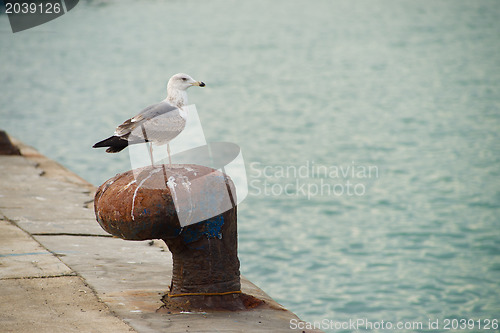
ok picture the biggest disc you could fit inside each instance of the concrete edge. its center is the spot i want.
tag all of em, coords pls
(50, 168)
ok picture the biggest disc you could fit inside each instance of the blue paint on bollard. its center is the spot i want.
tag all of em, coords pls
(210, 228)
(214, 226)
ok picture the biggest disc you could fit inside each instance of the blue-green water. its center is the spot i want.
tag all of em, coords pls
(404, 93)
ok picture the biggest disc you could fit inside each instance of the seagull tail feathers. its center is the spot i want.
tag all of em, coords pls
(115, 144)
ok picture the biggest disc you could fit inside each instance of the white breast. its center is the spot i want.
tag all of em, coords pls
(183, 113)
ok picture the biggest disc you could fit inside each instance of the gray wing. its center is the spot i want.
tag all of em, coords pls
(164, 109)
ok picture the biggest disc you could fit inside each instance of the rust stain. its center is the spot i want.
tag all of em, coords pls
(145, 301)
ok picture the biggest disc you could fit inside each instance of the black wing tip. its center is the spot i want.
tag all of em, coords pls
(115, 144)
(115, 149)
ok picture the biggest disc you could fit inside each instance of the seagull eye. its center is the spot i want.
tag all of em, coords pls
(184, 79)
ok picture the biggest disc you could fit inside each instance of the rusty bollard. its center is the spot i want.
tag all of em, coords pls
(139, 205)
(6, 146)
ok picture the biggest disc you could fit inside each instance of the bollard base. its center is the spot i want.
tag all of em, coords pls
(203, 303)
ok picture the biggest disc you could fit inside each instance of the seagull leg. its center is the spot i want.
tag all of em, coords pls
(150, 145)
(168, 151)
(151, 154)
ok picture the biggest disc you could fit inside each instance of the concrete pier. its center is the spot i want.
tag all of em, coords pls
(60, 272)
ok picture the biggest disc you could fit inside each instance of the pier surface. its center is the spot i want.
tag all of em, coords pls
(60, 272)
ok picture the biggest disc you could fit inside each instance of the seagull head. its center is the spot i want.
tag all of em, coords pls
(182, 81)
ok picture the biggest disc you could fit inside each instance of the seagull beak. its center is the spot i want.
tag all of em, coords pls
(198, 83)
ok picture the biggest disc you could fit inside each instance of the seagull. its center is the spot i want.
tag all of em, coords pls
(158, 123)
